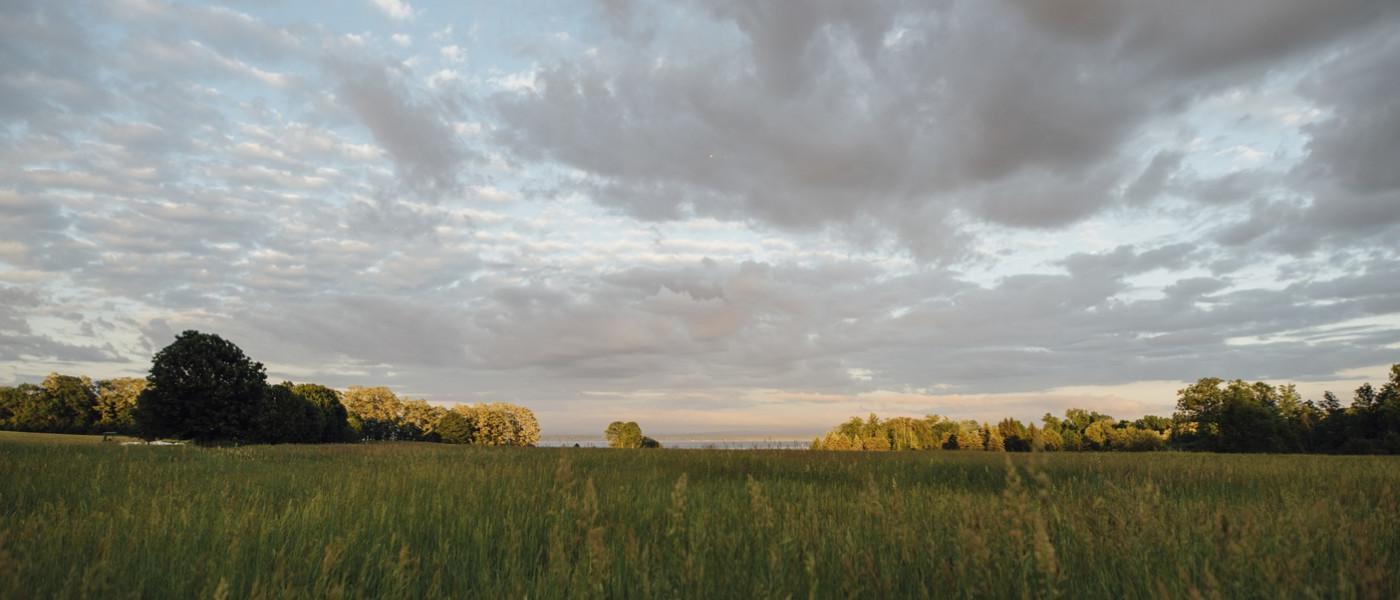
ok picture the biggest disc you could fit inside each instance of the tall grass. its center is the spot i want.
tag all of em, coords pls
(419, 520)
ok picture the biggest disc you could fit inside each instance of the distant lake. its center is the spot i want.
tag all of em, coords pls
(693, 444)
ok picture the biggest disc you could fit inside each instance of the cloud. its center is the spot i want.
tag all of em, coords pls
(415, 132)
(1352, 154)
(453, 54)
(397, 10)
(822, 115)
(734, 214)
(18, 341)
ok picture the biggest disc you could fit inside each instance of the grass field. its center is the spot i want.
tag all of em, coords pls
(423, 520)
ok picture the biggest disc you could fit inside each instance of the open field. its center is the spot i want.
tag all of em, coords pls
(60, 438)
(425, 520)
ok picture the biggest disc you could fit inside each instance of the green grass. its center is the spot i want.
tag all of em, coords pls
(421, 520)
(60, 438)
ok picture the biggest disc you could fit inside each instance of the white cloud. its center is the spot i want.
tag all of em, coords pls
(395, 9)
(519, 81)
(402, 39)
(453, 53)
(443, 76)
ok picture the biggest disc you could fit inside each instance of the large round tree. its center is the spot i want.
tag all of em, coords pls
(201, 387)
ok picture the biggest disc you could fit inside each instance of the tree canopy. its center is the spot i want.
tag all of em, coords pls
(628, 435)
(202, 387)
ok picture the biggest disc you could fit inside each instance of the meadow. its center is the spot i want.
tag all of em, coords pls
(400, 520)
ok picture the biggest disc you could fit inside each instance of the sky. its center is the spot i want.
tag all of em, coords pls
(709, 216)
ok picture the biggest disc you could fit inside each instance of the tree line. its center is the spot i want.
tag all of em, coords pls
(1079, 430)
(204, 388)
(1212, 415)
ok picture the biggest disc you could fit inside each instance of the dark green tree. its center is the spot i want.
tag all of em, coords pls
(454, 428)
(61, 404)
(71, 401)
(202, 387)
(1249, 419)
(9, 399)
(288, 418)
(335, 425)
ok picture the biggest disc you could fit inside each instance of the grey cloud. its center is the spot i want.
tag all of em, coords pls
(833, 114)
(1185, 40)
(1125, 260)
(1043, 198)
(37, 233)
(18, 342)
(1154, 178)
(1344, 192)
(1352, 155)
(371, 329)
(308, 217)
(46, 60)
(416, 133)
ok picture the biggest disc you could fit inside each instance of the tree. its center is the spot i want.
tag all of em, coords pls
(500, 424)
(1015, 436)
(73, 401)
(876, 443)
(623, 435)
(1051, 422)
(906, 433)
(942, 431)
(61, 404)
(969, 437)
(10, 398)
(495, 426)
(201, 387)
(992, 439)
(1389, 413)
(289, 418)
(116, 403)
(335, 420)
(1247, 419)
(454, 428)
(527, 427)
(1134, 439)
(1098, 434)
(419, 419)
(1199, 406)
(1330, 403)
(1079, 419)
(1154, 423)
(26, 408)
(374, 412)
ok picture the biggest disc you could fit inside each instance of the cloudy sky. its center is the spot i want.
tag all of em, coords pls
(709, 216)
